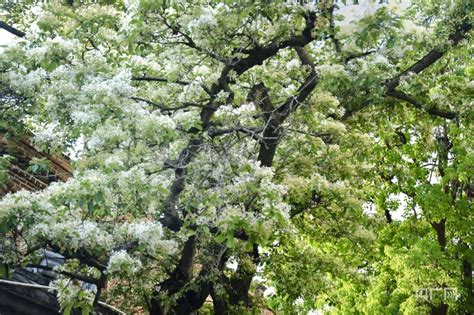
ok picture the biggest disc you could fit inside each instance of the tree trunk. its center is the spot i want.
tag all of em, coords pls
(467, 284)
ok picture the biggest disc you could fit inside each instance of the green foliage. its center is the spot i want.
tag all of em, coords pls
(39, 166)
(220, 143)
(5, 163)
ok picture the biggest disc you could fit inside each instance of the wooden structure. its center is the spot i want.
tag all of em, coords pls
(20, 177)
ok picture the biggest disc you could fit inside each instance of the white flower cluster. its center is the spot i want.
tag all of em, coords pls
(273, 212)
(75, 234)
(334, 127)
(85, 117)
(71, 293)
(261, 172)
(50, 134)
(156, 126)
(380, 59)
(150, 235)
(193, 91)
(56, 45)
(120, 262)
(114, 161)
(18, 203)
(293, 64)
(207, 18)
(187, 119)
(413, 29)
(26, 82)
(109, 133)
(241, 113)
(333, 70)
(99, 87)
(93, 11)
(229, 215)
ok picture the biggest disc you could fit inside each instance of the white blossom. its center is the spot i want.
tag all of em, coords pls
(122, 262)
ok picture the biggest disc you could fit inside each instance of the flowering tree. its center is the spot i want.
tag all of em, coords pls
(220, 146)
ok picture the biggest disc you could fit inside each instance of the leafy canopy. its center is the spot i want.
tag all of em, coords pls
(221, 146)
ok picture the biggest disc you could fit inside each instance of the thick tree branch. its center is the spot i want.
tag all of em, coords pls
(171, 218)
(332, 29)
(82, 256)
(12, 29)
(360, 55)
(433, 111)
(259, 54)
(430, 58)
(304, 90)
(66, 273)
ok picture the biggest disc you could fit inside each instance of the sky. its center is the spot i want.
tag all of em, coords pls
(5, 37)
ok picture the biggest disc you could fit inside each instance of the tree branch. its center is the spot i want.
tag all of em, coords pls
(12, 29)
(360, 55)
(430, 58)
(144, 78)
(164, 80)
(332, 29)
(190, 42)
(249, 131)
(82, 256)
(433, 111)
(259, 54)
(304, 90)
(66, 273)
(164, 108)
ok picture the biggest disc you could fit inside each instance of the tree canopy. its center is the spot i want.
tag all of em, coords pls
(222, 146)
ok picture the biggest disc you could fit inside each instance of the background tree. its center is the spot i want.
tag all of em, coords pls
(219, 142)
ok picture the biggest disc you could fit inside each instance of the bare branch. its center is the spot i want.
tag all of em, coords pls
(433, 111)
(305, 58)
(66, 273)
(332, 28)
(360, 55)
(325, 136)
(164, 108)
(248, 131)
(12, 29)
(164, 80)
(190, 42)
